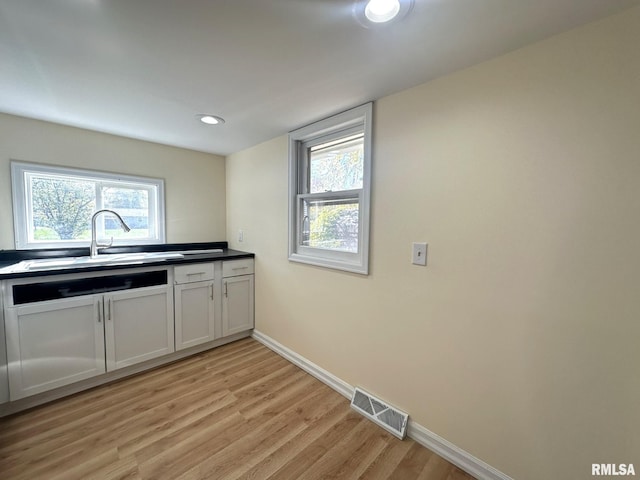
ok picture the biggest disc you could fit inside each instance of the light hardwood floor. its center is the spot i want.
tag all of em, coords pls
(236, 412)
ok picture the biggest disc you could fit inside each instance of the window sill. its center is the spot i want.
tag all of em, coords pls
(333, 264)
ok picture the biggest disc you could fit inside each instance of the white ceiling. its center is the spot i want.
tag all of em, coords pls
(145, 68)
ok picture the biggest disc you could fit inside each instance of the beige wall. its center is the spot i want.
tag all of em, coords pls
(520, 341)
(194, 182)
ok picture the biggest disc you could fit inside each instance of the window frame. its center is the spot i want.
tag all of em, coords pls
(342, 125)
(22, 212)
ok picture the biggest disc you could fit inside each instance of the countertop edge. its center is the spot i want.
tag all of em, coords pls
(227, 254)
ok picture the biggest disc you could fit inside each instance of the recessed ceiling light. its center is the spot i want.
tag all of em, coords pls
(376, 13)
(380, 11)
(210, 119)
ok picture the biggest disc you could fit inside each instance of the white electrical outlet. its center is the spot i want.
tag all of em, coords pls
(240, 236)
(419, 253)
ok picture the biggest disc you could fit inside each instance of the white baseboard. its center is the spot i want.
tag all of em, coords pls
(447, 450)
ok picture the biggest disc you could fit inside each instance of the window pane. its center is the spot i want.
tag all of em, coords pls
(330, 224)
(336, 165)
(329, 194)
(61, 208)
(133, 206)
(53, 206)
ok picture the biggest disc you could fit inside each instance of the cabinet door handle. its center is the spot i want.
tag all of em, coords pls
(211, 287)
(99, 310)
(225, 288)
(109, 309)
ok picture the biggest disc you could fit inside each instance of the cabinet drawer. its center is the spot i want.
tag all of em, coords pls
(195, 272)
(232, 268)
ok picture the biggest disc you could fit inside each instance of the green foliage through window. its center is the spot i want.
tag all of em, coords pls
(62, 206)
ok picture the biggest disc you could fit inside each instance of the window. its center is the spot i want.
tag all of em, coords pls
(329, 184)
(52, 207)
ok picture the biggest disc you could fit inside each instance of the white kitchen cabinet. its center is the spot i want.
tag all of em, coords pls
(68, 328)
(194, 272)
(4, 375)
(54, 343)
(195, 305)
(59, 330)
(138, 325)
(237, 296)
(194, 313)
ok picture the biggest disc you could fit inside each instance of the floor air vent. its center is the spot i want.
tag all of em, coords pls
(391, 419)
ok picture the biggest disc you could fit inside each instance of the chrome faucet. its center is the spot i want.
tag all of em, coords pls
(94, 243)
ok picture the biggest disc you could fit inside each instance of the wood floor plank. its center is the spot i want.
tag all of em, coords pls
(245, 452)
(329, 464)
(120, 435)
(412, 464)
(457, 474)
(182, 417)
(262, 417)
(139, 396)
(357, 460)
(306, 459)
(81, 470)
(275, 460)
(160, 458)
(174, 458)
(112, 393)
(77, 427)
(238, 411)
(387, 461)
(436, 467)
(122, 469)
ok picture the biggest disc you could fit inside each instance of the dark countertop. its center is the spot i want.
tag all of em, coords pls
(12, 257)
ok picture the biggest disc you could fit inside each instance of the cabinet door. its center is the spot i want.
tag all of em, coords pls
(4, 375)
(194, 306)
(138, 325)
(51, 344)
(237, 304)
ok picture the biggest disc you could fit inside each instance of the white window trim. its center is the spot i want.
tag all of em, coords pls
(21, 210)
(359, 117)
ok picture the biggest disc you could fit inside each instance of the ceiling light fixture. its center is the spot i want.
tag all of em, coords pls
(380, 11)
(377, 13)
(210, 119)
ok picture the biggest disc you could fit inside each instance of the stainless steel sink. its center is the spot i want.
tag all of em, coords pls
(79, 262)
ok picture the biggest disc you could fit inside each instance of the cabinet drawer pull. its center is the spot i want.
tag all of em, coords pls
(240, 268)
